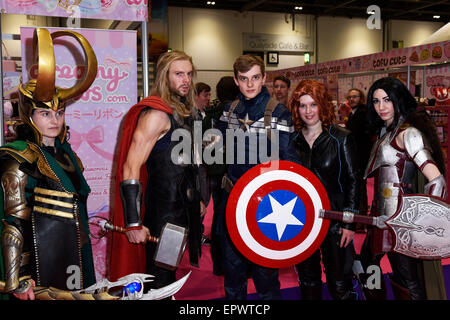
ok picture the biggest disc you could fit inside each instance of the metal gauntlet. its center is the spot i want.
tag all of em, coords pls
(16, 216)
(436, 187)
(12, 245)
(131, 194)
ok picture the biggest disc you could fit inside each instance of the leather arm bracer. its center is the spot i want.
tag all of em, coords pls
(131, 195)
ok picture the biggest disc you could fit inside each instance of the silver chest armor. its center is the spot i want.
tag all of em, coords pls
(396, 167)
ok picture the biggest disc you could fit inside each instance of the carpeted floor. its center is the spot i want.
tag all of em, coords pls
(204, 285)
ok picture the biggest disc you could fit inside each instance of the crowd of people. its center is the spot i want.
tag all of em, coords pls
(385, 137)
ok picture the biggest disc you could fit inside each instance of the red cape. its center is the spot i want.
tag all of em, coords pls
(125, 257)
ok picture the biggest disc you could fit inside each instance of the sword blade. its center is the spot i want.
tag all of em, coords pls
(167, 291)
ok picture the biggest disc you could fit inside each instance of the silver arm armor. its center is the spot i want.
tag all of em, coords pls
(416, 147)
(437, 187)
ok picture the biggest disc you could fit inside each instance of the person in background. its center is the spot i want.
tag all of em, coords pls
(227, 91)
(358, 124)
(407, 144)
(202, 105)
(329, 151)
(280, 91)
(202, 98)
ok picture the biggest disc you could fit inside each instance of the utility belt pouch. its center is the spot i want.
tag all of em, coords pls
(131, 195)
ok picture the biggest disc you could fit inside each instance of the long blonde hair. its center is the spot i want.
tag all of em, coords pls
(161, 86)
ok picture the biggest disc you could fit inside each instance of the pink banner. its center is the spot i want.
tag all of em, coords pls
(95, 117)
(438, 52)
(130, 10)
(437, 84)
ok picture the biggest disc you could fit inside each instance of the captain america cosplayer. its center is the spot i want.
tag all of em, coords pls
(44, 228)
(150, 188)
(254, 112)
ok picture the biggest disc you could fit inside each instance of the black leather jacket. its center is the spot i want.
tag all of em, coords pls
(334, 160)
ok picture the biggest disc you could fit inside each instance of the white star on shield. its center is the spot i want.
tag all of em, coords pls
(281, 215)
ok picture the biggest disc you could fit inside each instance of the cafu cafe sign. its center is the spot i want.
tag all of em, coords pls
(275, 42)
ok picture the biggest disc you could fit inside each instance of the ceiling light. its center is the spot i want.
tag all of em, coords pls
(436, 17)
(298, 8)
(211, 3)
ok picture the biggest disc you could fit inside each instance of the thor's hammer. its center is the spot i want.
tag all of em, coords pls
(170, 245)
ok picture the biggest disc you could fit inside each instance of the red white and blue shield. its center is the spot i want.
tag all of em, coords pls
(273, 214)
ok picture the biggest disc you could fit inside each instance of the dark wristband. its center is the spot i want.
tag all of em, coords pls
(131, 194)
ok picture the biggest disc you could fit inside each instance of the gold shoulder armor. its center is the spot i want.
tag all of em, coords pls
(13, 183)
(42, 163)
(28, 154)
(31, 154)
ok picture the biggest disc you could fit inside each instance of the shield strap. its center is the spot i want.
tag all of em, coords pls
(270, 107)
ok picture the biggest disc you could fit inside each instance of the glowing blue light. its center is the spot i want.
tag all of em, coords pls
(133, 287)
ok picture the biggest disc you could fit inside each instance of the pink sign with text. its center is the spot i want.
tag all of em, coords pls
(131, 10)
(438, 52)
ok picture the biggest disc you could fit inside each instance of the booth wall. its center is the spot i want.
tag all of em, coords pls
(413, 33)
(214, 37)
(11, 24)
(341, 38)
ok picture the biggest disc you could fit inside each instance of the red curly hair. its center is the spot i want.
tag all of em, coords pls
(318, 91)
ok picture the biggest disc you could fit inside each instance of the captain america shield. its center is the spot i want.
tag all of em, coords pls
(273, 214)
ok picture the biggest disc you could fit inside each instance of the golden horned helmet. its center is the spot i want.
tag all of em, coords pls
(41, 93)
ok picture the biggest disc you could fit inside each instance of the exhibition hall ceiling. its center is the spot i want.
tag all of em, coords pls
(392, 9)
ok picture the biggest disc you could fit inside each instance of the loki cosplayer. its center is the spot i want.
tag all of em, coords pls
(44, 230)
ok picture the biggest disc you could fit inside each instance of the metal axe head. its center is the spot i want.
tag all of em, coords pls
(422, 227)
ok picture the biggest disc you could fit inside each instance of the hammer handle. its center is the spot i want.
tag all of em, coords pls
(112, 227)
(347, 217)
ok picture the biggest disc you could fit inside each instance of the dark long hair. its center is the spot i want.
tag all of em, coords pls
(405, 105)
